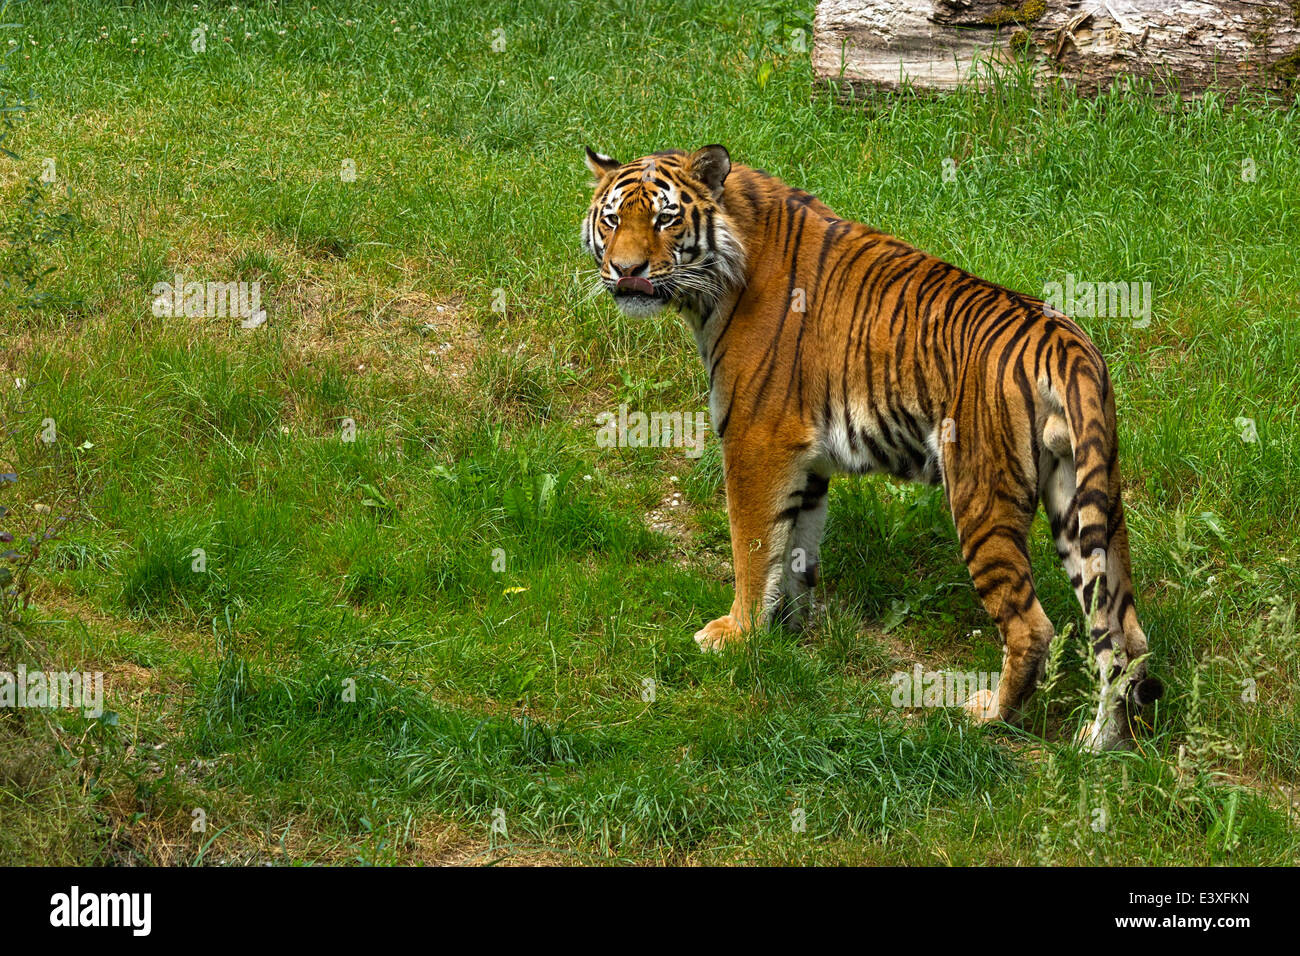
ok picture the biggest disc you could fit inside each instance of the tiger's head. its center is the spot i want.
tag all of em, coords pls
(659, 231)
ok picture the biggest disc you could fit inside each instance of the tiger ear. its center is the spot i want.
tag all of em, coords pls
(600, 164)
(710, 165)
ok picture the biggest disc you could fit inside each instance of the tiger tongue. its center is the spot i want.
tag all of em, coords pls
(635, 284)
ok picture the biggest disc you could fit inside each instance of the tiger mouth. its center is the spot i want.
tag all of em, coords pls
(636, 287)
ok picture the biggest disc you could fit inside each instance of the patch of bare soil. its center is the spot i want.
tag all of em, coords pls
(670, 517)
(403, 334)
(440, 843)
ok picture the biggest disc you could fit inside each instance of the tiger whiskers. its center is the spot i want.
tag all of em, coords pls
(591, 285)
(702, 279)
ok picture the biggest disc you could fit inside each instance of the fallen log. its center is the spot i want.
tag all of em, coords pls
(1187, 45)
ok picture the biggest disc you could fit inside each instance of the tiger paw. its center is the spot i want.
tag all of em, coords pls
(793, 612)
(1099, 737)
(719, 633)
(983, 707)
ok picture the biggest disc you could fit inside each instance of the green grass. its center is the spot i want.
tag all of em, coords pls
(457, 612)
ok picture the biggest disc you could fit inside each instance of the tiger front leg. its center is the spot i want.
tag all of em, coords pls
(804, 558)
(764, 500)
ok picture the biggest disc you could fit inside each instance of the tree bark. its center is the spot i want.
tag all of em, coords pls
(1186, 45)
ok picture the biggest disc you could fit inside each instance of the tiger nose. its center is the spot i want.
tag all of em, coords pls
(622, 271)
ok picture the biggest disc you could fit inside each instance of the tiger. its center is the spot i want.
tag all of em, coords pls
(834, 348)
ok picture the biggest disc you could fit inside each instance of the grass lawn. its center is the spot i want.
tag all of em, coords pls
(361, 582)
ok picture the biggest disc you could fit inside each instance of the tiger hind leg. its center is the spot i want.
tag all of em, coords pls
(993, 528)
